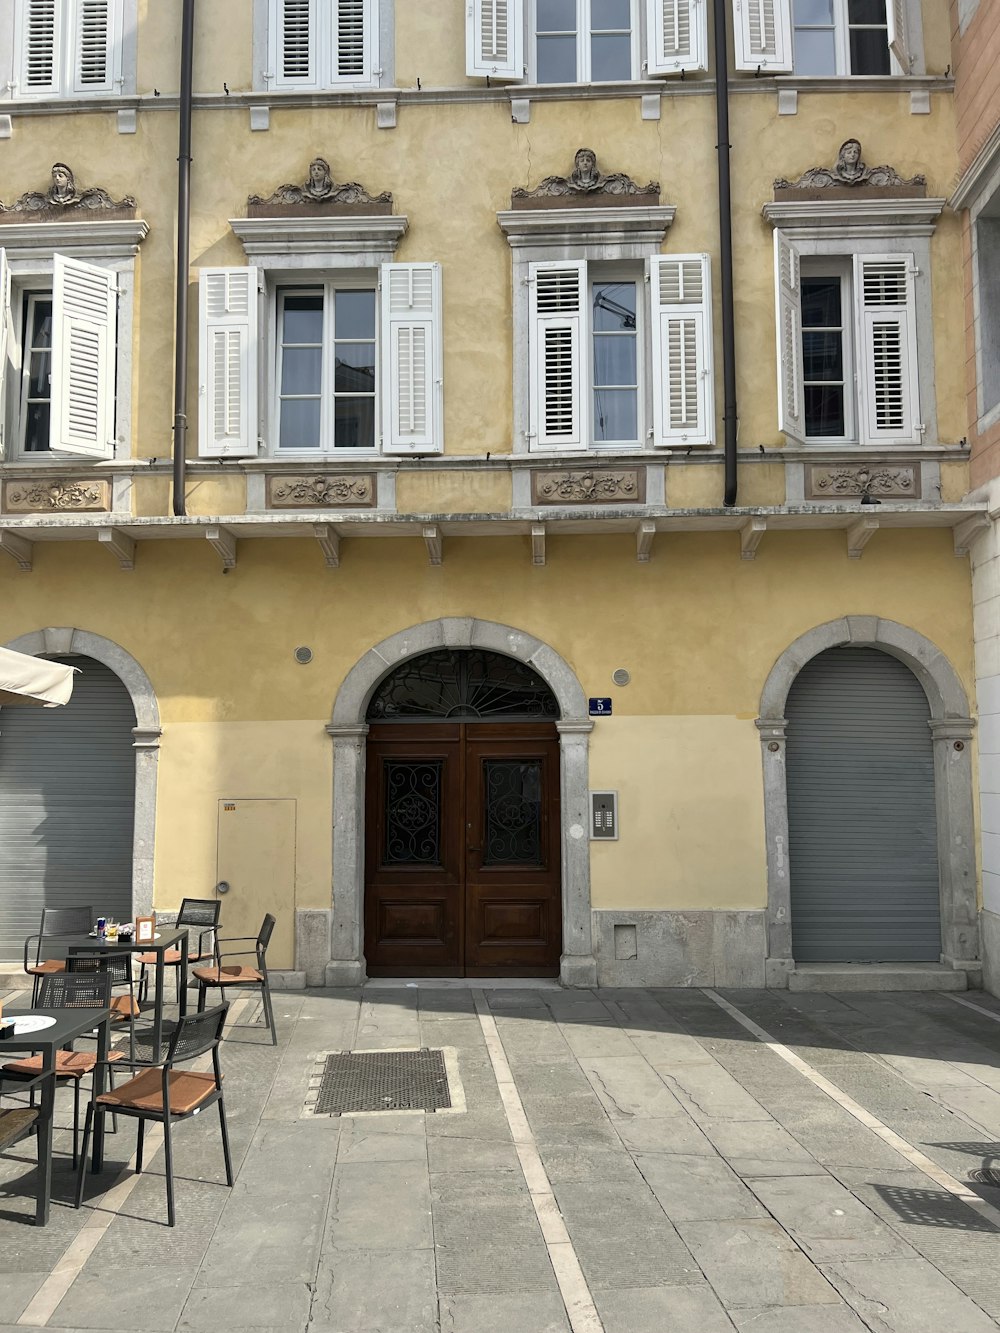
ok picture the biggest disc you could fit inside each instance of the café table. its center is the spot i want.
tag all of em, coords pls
(61, 1027)
(169, 937)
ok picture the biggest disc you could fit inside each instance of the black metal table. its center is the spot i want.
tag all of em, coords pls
(69, 1024)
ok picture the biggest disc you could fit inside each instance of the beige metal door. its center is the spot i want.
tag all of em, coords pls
(256, 873)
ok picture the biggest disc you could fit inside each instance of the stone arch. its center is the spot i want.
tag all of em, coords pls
(951, 730)
(66, 642)
(348, 730)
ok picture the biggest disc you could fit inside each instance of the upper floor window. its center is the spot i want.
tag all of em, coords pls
(71, 48)
(323, 44)
(584, 41)
(823, 37)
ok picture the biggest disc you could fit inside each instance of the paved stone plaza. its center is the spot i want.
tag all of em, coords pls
(632, 1161)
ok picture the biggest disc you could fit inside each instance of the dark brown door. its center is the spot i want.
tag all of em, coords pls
(462, 850)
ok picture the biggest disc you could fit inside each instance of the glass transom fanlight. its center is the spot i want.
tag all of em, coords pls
(458, 685)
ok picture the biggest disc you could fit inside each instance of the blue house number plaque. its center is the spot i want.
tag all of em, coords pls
(599, 707)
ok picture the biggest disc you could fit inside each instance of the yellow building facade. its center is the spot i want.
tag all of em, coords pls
(453, 590)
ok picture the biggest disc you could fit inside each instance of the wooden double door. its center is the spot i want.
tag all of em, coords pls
(462, 850)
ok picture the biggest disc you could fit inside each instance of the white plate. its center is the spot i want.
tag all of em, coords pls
(33, 1023)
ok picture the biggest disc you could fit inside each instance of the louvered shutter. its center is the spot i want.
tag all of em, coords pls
(887, 349)
(762, 35)
(494, 39)
(556, 389)
(354, 38)
(413, 405)
(228, 350)
(895, 11)
(6, 345)
(683, 391)
(38, 46)
(676, 36)
(95, 45)
(293, 43)
(788, 322)
(84, 325)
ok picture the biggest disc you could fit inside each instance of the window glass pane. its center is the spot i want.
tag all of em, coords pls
(36, 432)
(615, 414)
(41, 330)
(814, 51)
(556, 60)
(869, 51)
(555, 15)
(299, 427)
(610, 14)
(821, 302)
(354, 314)
(822, 356)
(301, 370)
(866, 11)
(610, 56)
(302, 318)
(614, 360)
(824, 407)
(40, 370)
(614, 306)
(355, 368)
(354, 423)
(810, 12)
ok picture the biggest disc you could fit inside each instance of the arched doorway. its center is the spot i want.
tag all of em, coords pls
(862, 824)
(67, 805)
(462, 854)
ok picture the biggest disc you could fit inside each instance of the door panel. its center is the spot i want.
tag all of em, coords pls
(463, 870)
(256, 858)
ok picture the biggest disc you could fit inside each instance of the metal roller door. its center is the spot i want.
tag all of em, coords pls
(67, 798)
(861, 813)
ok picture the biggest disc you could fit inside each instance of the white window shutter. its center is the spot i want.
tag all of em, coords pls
(899, 45)
(354, 41)
(227, 362)
(557, 396)
(412, 408)
(676, 36)
(84, 326)
(6, 345)
(683, 383)
(494, 39)
(762, 35)
(96, 46)
(293, 44)
(788, 324)
(38, 46)
(887, 349)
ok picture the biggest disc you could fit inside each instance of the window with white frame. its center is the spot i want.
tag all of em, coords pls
(324, 45)
(71, 48)
(823, 37)
(847, 347)
(346, 362)
(584, 41)
(620, 355)
(58, 354)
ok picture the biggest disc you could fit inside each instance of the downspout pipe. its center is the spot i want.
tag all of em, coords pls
(726, 250)
(183, 259)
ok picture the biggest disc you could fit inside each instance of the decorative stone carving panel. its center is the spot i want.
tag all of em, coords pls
(59, 494)
(318, 194)
(849, 175)
(350, 490)
(853, 483)
(63, 200)
(589, 486)
(588, 185)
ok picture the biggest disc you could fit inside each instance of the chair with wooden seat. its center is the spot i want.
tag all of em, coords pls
(67, 991)
(17, 1123)
(203, 915)
(56, 922)
(166, 1095)
(118, 968)
(239, 975)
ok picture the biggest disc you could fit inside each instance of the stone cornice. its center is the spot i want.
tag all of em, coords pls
(305, 242)
(986, 161)
(915, 216)
(116, 239)
(526, 227)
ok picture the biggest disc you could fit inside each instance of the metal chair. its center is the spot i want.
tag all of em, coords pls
(117, 967)
(224, 975)
(202, 913)
(67, 991)
(56, 921)
(17, 1123)
(166, 1095)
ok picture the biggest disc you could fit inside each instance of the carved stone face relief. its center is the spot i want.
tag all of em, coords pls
(63, 198)
(851, 171)
(586, 179)
(318, 189)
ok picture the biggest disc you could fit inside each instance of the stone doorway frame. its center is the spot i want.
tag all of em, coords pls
(68, 642)
(348, 729)
(951, 732)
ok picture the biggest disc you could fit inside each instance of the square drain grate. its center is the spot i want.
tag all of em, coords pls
(358, 1081)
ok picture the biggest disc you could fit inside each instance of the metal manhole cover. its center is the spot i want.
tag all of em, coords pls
(353, 1081)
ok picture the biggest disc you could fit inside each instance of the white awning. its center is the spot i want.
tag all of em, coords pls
(34, 680)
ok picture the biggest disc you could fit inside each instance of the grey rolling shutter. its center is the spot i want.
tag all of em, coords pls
(861, 812)
(67, 797)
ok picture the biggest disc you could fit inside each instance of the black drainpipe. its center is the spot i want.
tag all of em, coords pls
(726, 248)
(183, 259)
